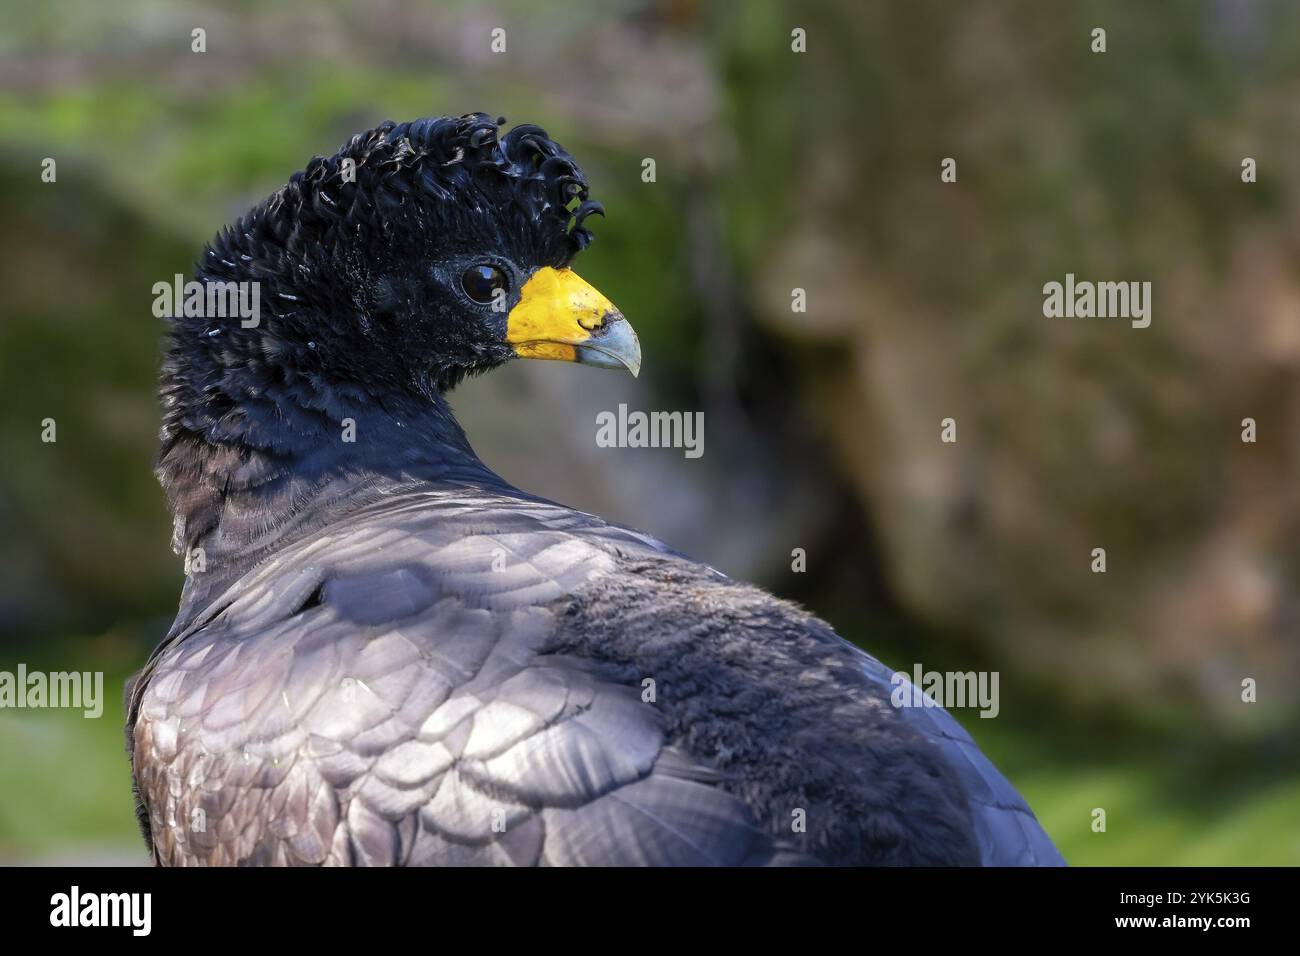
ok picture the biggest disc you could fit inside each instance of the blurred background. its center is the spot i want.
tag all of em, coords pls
(774, 170)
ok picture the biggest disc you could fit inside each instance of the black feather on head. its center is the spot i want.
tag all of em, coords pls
(455, 161)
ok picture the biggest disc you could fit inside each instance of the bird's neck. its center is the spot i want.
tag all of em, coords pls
(247, 475)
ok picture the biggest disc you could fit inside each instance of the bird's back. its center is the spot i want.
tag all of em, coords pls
(466, 675)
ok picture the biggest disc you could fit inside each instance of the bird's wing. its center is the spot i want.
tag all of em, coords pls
(1006, 829)
(376, 695)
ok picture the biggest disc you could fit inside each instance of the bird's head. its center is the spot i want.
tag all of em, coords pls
(418, 254)
(369, 285)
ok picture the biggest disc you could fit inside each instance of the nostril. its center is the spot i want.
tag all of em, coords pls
(610, 318)
(606, 319)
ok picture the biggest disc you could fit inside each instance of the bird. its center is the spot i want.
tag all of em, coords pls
(387, 655)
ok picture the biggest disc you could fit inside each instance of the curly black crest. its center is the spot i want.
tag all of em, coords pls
(445, 158)
(449, 159)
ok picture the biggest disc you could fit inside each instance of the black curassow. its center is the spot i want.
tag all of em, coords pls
(387, 655)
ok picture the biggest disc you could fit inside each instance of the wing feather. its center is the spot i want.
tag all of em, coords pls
(377, 696)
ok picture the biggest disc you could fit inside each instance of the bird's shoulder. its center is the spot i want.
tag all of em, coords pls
(476, 677)
(390, 691)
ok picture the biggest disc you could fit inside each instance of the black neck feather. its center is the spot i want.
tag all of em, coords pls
(246, 474)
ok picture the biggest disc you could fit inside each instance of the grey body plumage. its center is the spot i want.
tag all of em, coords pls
(393, 657)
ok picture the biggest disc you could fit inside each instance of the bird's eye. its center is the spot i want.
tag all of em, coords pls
(481, 282)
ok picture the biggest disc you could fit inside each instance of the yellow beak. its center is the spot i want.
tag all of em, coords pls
(559, 316)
